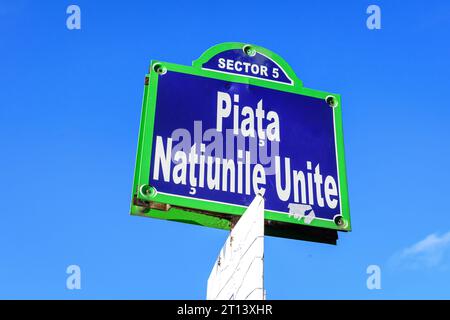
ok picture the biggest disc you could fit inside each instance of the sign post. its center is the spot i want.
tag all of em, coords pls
(237, 123)
(238, 273)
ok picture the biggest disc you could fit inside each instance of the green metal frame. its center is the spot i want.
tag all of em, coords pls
(209, 213)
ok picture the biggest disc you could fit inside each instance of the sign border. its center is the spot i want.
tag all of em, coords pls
(207, 212)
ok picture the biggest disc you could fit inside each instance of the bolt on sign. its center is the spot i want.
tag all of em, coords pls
(238, 123)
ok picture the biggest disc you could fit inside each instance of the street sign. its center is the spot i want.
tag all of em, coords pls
(239, 123)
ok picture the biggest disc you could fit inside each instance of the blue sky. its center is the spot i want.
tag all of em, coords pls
(69, 116)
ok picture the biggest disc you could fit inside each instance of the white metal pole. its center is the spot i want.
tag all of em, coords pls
(238, 273)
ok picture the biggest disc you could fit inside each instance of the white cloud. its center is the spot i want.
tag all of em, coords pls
(430, 252)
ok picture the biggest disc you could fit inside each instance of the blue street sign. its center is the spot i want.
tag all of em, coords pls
(236, 124)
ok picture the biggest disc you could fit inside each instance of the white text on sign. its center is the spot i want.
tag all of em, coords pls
(248, 68)
(201, 164)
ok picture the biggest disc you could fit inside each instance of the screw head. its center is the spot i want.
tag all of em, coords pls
(339, 221)
(249, 50)
(147, 191)
(159, 68)
(331, 101)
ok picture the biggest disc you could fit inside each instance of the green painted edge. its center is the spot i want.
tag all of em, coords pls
(343, 186)
(142, 168)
